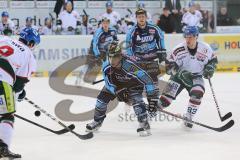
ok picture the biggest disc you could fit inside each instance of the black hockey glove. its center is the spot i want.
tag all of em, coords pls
(208, 71)
(122, 95)
(21, 95)
(210, 68)
(185, 77)
(162, 54)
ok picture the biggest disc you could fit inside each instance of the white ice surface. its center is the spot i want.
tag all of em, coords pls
(119, 141)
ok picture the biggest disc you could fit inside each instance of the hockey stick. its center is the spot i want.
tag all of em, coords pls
(229, 114)
(59, 132)
(83, 137)
(219, 129)
(96, 82)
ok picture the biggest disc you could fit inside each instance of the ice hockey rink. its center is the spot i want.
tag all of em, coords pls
(118, 140)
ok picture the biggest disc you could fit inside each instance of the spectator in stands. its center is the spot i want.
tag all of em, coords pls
(208, 22)
(59, 6)
(210, 27)
(48, 27)
(7, 26)
(113, 16)
(29, 24)
(166, 22)
(223, 19)
(69, 19)
(86, 27)
(174, 7)
(193, 17)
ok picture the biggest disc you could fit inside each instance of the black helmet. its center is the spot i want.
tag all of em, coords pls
(105, 19)
(140, 11)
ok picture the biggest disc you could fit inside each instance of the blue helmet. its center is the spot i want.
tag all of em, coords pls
(5, 14)
(109, 4)
(30, 35)
(191, 30)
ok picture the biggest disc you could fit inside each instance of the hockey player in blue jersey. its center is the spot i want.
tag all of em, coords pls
(145, 44)
(125, 81)
(99, 45)
(102, 38)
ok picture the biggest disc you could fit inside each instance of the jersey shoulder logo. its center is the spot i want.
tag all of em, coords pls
(152, 31)
(6, 51)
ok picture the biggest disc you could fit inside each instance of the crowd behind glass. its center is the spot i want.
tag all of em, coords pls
(172, 19)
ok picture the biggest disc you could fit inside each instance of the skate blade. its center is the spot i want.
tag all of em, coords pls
(145, 133)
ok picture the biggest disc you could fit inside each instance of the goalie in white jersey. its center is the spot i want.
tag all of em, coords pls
(189, 62)
(17, 63)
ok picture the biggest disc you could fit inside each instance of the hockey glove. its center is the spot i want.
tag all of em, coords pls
(185, 77)
(21, 95)
(208, 71)
(122, 95)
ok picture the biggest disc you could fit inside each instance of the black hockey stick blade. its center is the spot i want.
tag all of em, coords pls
(228, 115)
(220, 129)
(84, 136)
(63, 131)
(59, 132)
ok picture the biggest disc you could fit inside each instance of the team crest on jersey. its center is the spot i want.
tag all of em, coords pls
(152, 31)
(112, 33)
(144, 38)
(200, 57)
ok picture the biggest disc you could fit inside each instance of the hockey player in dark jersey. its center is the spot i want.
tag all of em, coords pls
(145, 44)
(125, 81)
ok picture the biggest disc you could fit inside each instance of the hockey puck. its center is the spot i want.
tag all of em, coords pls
(37, 113)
